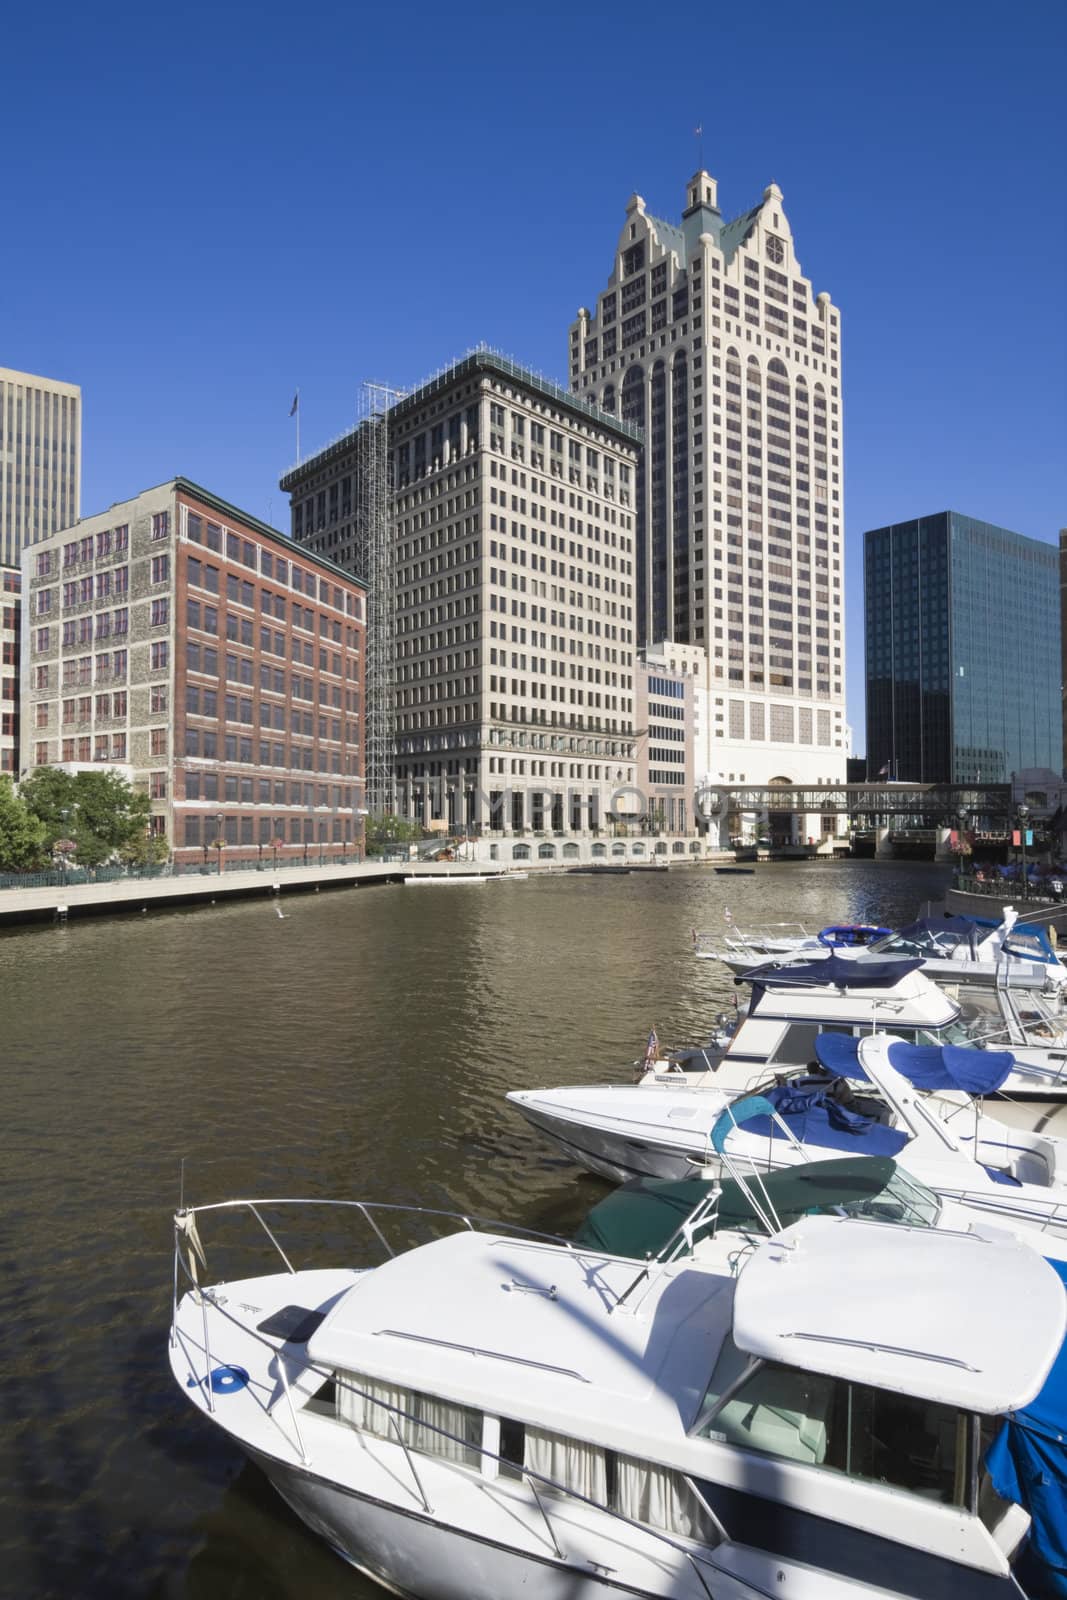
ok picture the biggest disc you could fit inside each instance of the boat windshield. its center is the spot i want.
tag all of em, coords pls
(817, 1420)
(904, 1199)
(964, 1031)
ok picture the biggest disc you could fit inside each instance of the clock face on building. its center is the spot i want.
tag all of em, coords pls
(775, 249)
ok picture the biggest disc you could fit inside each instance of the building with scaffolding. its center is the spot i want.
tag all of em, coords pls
(499, 554)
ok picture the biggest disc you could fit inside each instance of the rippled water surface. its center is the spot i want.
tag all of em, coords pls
(361, 1046)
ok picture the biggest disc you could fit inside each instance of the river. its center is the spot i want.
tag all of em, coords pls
(361, 1046)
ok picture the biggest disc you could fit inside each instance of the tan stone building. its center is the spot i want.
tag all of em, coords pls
(710, 338)
(40, 459)
(512, 523)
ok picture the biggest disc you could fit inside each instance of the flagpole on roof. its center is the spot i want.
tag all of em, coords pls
(294, 411)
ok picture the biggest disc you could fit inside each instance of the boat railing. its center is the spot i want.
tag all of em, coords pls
(537, 1482)
(369, 1210)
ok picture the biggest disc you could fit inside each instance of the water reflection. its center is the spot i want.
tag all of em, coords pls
(361, 1046)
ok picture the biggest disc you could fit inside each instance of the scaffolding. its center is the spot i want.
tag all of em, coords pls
(375, 565)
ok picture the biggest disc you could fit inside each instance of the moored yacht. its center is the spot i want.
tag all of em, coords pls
(792, 1002)
(486, 1415)
(976, 949)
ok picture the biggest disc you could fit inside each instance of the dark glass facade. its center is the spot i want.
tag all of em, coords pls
(963, 651)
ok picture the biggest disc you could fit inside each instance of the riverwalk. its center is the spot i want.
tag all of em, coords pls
(58, 902)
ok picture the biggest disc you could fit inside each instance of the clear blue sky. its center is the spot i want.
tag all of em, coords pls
(207, 206)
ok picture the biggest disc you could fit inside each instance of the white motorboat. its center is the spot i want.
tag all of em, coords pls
(712, 1215)
(443, 877)
(918, 1107)
(954, 948)
(486, 1416)
(791, 1003)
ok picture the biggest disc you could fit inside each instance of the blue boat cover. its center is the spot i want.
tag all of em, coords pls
(963, 926)
(1027, 1463)
(831, 969)
(949, 1066)
(815, 1120)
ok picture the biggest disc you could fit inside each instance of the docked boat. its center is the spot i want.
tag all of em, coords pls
(487, 1415)
(444, 877)
(663, 1219)
(919, 1105)
(951, 948)
(791, 1002)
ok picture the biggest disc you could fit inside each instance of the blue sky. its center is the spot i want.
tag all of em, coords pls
(209, 206)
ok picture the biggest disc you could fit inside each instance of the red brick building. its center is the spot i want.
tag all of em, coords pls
(218, 665)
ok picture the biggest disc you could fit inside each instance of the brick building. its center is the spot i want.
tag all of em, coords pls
(10, 613)
(197, 651)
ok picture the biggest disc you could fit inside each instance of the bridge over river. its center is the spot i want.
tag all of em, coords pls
(931, 804)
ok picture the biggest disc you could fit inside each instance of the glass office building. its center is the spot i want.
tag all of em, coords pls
(963, 651)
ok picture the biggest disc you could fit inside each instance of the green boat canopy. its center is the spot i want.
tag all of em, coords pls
(639, 1218)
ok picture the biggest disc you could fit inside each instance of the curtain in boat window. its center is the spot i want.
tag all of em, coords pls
(435, 1427)
(661, 1498)
(567, 1462)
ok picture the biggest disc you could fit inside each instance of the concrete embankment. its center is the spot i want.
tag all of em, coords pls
(52, 903)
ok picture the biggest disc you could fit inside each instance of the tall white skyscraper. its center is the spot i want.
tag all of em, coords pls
(40, 459)
(711, 339)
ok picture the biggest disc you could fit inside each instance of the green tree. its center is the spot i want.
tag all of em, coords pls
(388, 829)
(22, 835)
(102, 813)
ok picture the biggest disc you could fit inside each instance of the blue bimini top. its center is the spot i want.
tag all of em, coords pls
(948, 1066)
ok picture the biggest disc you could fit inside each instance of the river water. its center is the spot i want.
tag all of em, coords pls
(358, 1047)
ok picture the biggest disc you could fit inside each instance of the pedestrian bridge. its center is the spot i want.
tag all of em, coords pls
(878, 803)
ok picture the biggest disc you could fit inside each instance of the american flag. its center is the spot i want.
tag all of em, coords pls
(295, 407)
(651, 1048)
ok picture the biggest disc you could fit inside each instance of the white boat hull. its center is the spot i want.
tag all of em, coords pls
(422, 1556)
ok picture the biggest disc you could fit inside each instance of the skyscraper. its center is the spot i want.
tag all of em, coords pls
(963, 651)
(40, 460)
(709, 337)
(511, 525)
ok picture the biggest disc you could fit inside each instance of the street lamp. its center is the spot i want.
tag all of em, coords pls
(1023, 814)
(274, 846)
(218, 838)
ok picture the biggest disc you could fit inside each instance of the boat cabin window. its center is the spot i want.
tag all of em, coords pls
(436, 1427)
(822, 1421)
(796, 1044)
(640, 1490)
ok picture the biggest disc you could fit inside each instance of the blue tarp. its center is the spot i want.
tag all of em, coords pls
(831, 969)
(1027, 1463)
(819, 1123)
(948, 1066)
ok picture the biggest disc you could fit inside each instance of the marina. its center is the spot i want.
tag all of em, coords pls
(253, 1046)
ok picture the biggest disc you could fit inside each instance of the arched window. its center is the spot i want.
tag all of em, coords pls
(633, 396)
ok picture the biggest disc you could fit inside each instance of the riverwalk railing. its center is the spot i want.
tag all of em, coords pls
(72, 877)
